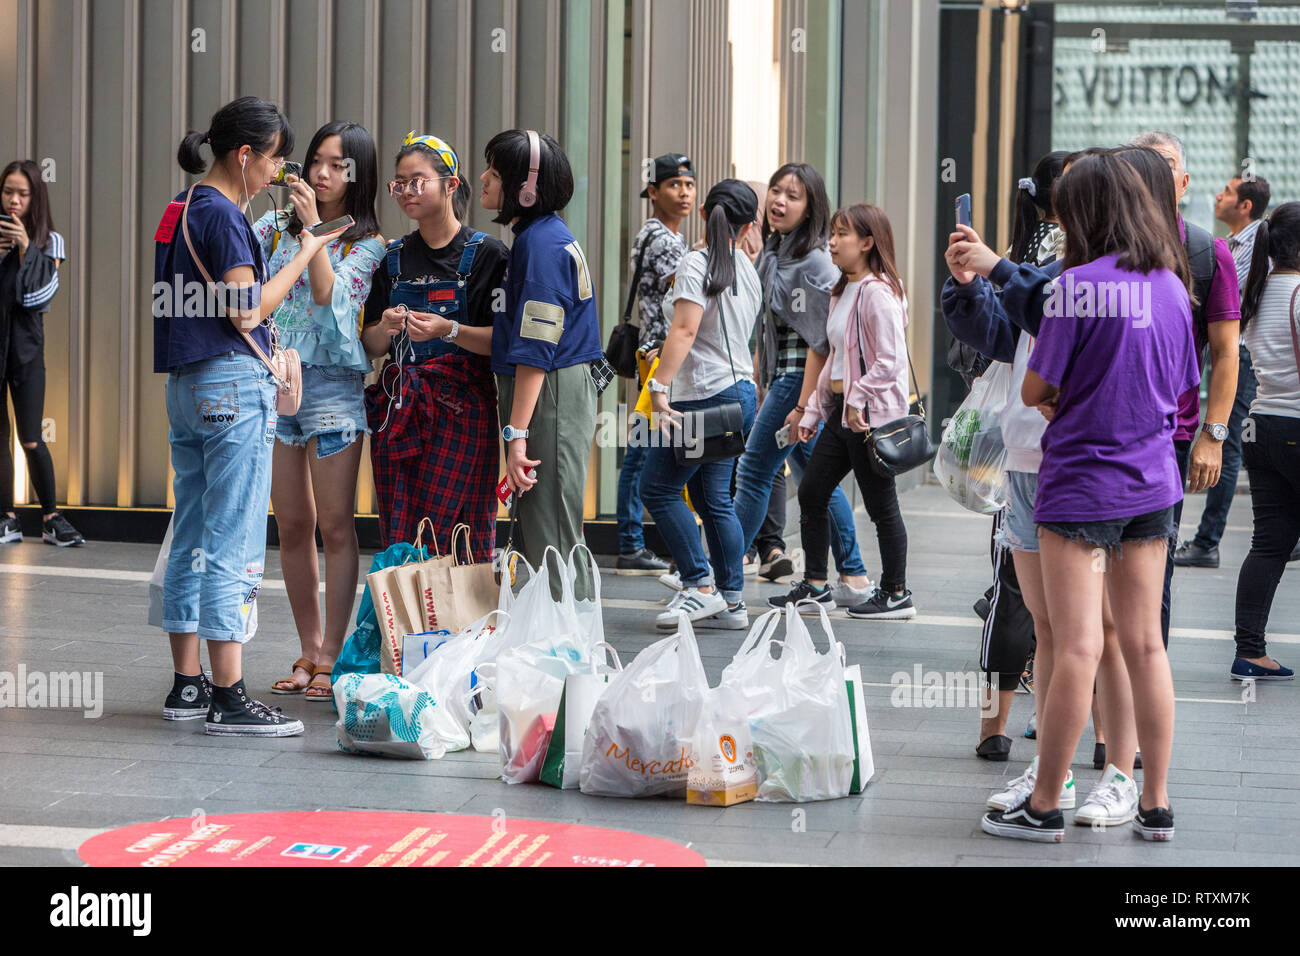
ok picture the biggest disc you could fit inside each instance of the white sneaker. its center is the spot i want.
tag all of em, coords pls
(671, 580)
(845, 596)
(1022, 786)
(693, 604)
(1114, 801)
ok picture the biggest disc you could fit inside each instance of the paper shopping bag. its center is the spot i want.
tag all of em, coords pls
(395, 592)
(864, 767)
(455, 594)
(726, 772)
(563, 762)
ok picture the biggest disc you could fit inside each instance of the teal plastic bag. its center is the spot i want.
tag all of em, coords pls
(360, 654)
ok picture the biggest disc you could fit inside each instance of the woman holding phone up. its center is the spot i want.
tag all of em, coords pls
(221, 406)
(318, 449)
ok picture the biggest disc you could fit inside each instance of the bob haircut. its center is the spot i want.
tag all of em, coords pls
(37, 221)
(359, 195)
(507, 153)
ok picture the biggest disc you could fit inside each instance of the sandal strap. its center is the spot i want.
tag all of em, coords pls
(308, 666)
(326, 669)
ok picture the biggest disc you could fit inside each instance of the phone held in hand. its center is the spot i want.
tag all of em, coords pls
(963, 209)
(325, 228)
(5, 217)
(782, 436)
(287, 170)
(504, 494)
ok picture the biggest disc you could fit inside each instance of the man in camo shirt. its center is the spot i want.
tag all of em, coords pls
(657, 250)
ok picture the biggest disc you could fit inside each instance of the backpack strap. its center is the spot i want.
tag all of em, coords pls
(636, 279)
(467, 256)
(393, 259)
(1204, 265)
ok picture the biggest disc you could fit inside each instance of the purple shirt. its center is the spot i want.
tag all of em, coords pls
(1108, 453)
(1223, 304)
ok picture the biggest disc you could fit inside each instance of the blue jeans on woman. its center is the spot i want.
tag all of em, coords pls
(662, 480)
(761, 462)
(222, 416)
(631, 533)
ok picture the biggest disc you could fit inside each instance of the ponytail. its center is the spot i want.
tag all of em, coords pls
(189, 157)
(1034, 203)
(1025, 225)
(1257, 276)
(721, 272)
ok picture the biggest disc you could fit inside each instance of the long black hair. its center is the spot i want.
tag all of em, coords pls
(249, 120)
(507, 153)
(1034, 205)
(359, 194)
(815, 228)
(1276, 237)
(37, 220)
(460, 198)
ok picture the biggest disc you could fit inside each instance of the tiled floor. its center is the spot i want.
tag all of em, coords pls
(1235, 783)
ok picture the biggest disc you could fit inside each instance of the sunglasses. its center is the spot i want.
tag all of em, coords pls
(414, 187)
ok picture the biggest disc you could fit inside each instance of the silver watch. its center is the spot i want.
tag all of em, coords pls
(1216, 431)
(656, 387)
(455, 331)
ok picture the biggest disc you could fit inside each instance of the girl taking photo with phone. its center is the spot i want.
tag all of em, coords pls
(318, 449)
(30, 255)
(433, 419)
(221, 407)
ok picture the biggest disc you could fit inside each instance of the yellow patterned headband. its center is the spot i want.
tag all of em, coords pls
(445, 152)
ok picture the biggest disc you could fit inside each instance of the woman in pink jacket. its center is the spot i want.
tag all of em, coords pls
(862, 386)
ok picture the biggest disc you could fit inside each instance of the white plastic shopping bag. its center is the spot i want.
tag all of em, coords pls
(972, 457)
(798, 711)
(640, 742)
(156, 589)
(563, 761)
(725, 770)
(448, 674)
(385, 715)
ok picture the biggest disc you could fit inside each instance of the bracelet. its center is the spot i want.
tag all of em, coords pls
(800, 409)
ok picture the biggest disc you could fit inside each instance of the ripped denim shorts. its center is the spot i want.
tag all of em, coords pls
(1110, 535)
(333, 410)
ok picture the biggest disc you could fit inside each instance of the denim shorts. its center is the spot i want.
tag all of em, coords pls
(1019, 533)
(333, 410)
(1111, 534)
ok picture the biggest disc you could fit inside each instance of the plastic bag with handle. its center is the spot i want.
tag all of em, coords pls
(798, 710)
(640, 741)
(972, 457)
(383, 714)
(448, 674)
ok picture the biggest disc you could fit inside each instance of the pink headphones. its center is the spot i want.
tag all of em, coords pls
(528, 191)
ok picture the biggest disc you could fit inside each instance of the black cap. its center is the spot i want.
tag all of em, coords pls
(669, 166)
(737, 200)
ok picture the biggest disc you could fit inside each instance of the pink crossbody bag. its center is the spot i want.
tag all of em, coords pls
(284, 364)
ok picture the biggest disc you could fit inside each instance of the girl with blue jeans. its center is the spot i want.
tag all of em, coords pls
(714, 301)
(221, 408)
(796, 273)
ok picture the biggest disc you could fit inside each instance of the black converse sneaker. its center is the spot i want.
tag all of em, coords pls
(10, 529)
(190, 697)
(234, 714)
(803, 591)
(644, 561)
(59, 532)
(1022, 823)
(885, 606)
(1156, 824)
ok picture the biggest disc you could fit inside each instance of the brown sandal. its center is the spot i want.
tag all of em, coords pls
(301, 663)
(324, 691)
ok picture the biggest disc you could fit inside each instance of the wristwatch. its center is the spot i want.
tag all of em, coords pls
(510, 433)
(655, 386)
(455, 331)
(1215, 431)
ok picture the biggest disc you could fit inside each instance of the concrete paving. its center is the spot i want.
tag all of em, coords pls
(1235, 782)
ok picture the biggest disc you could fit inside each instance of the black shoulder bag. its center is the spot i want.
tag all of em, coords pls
(719, 431)
(621, 351)
(903, 444)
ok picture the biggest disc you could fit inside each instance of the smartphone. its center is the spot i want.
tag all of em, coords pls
(287, 170)
(782, 435)
(963, 209)
(325, 228)
(504, 494)
(6, 217)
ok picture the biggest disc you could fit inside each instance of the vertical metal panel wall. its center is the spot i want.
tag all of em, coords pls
(106, 90)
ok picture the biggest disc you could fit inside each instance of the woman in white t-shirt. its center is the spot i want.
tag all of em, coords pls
(1269, 310)
(863, 385)
(705, 363)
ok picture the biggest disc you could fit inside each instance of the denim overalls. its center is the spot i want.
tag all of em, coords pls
(447, 298)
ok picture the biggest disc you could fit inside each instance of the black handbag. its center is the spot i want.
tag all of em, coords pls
(621, 351)
(903, 444)
(718, 432)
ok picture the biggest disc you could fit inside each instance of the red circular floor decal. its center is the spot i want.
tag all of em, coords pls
(363, 838)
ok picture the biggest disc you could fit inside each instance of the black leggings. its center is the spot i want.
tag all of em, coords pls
(838, 452)
(1273, 463)
(26, 383)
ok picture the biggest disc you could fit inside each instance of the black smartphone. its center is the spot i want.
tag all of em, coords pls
(963, 209)
(287, 170)
(6, 217)
(325, 228)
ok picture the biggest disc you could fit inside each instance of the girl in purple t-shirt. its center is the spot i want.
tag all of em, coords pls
(1114, 354)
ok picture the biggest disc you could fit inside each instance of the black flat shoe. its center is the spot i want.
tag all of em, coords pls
(997, 747)
(1099, 757)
